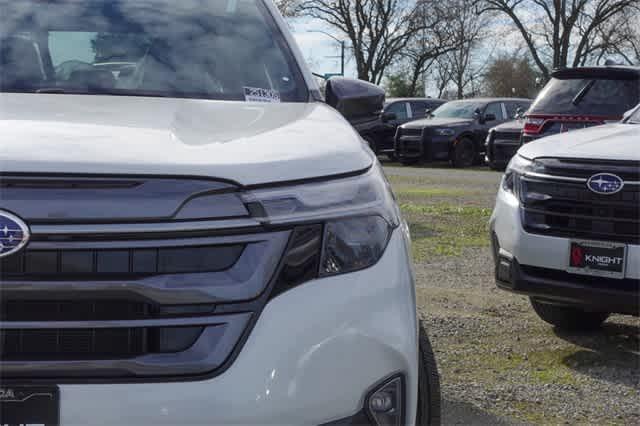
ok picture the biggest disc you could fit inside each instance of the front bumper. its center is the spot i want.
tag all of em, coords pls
(499, 152)
(535, 265)
(428, 148)
(312, 357)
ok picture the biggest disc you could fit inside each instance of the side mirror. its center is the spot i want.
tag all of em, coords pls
(489, 117)
(427, 113)
(388, 116)
(354, 98)
(519, 113)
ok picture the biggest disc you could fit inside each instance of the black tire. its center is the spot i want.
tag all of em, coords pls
(569, 317)
(464, 153)
(429, 402)
(391, 157)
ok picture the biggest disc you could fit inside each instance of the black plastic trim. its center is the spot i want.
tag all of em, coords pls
(564, 288)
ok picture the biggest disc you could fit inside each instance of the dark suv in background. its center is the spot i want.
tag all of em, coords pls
(397, 111)
(454, 132)
(574, 98)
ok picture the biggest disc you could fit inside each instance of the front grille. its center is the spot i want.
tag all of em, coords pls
(110, 287)
(93, 343)
(507, 136)
(411, 132)
(33, 345)
(123, 261)
(570, 209)
(79, 310)
(409, 142)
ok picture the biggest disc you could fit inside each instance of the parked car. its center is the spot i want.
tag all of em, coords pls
(504, 140)
(576, 98)
(397, 111)
(210, 244)
(566, 226)
(455, 132)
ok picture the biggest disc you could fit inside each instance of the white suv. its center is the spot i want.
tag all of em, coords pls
(188, 234)
(566, 227)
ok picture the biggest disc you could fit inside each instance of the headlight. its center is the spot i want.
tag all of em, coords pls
(358, 215)
(444, 132)
(517, 167)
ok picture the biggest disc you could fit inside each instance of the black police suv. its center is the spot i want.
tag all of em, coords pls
(455, 132)
(397, 111)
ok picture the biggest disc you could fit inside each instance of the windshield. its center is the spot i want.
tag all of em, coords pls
(461, 109)
(603, 97)
(213, 49)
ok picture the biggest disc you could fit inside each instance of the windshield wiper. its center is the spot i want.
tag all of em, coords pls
(583, 92)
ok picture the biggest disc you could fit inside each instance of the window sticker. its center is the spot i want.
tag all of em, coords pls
(255, 94)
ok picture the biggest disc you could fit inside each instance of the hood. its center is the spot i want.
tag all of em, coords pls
(510, 126)
(436, 122)
(248, 143)
(608, 142)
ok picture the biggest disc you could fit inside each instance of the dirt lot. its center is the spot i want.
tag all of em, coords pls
(498, 362)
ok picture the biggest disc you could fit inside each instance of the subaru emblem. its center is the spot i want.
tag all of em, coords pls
(605, 184)
(14, 234)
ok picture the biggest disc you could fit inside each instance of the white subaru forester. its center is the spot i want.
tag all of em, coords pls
(189, 235)
(566, 227)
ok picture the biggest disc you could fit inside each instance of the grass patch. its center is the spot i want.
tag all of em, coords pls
(549, 366)
(432, 192)
(445, 229)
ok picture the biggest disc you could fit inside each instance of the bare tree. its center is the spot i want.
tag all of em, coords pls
(559, 33)
(287, 7)
(435, 38)
(378, 30)
(469, 30)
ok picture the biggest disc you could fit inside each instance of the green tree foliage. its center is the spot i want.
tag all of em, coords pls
(511, 75)
(399, 86)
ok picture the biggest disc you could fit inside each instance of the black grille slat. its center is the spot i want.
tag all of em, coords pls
(104, 262)
(72, 344)
(570, 209)
(104, 310)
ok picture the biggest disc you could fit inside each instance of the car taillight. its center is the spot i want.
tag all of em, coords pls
(533, 125)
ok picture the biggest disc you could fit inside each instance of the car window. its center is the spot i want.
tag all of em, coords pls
(458, 109)
(512, 108)
(399, 109)
(228, 50)
(495, 108)
(588, 96)
(419, 109)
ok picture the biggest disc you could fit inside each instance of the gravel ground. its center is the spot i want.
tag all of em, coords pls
(498, 362)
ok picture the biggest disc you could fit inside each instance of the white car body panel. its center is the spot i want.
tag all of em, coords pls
(248, 143)
(622, 143)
